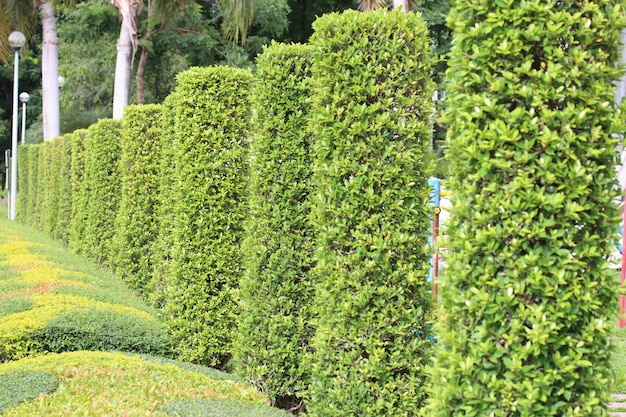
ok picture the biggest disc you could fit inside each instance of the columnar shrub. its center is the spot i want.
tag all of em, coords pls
(162, 245)
(276, 289)
(63, 161)
(137, 217)
(370, 116)
(23, 175)
(32, 201)
(100, 189)
(528, 292)
(209, 193)
(78, 200)
(48, 195)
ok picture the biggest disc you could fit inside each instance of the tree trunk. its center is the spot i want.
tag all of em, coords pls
(141, 66)
(401, 3)
(126, 46)
(123, 69)
(50, 72)
(143, 60)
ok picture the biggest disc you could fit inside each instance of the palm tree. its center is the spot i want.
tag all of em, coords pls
(126, 47)
(21, 13)
(238, 15)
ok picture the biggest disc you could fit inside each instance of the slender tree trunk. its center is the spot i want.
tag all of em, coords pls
(141, 66)
(123, 69)
(143, 60)
(126, 46)
(403, 3)
(50, 73)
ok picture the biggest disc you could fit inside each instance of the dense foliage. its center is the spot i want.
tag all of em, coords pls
(99, 195)
(78, 203)
(276, 288)
(370, 116)
(209, 193)
(137, 219)
(528, 294)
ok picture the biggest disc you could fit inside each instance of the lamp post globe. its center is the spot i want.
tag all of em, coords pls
(24, 99)
(17, 40)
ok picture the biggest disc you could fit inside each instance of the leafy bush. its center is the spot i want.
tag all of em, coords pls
(14, 305)
(528, 294)
(23, 178)
(78, 200)
(31, 205)
(17, 387)
(100, 329)
(123, 385)
(276, 289)
(47, 194)
(100, 191)
(220, 408)
(370, 117)
(162, 245)
(137, 219)
(62, 162)
(209, 192)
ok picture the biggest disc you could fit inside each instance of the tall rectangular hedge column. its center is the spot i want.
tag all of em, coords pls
(528, 296)
(370, 116)
(276, 289)
(100, 191)
(137, 221)
(23, 174)
(209, 195)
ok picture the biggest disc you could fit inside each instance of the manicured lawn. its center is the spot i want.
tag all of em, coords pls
(63, 323)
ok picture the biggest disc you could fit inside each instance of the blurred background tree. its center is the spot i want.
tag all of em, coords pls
(192, 36)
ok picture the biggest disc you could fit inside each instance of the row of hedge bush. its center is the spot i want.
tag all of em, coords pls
(302, 248)
(219, 227)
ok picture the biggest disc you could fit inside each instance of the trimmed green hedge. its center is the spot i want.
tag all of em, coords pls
(17, 387)
(49, 197)
(31, 205)
(78, 202)
(209, 193)
(370, 117)
(276, 289)
(528, 296)
(100, 191)
(63, 186)
(162, 245)
(137, 221)
(23, 182)
(220, 408)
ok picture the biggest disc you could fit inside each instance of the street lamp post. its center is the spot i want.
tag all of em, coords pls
(17, 40)
(24, 99)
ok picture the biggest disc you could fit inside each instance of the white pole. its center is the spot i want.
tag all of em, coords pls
(13, 199)
(23, 121)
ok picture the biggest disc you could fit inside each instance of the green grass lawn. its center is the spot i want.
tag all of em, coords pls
(74, 341)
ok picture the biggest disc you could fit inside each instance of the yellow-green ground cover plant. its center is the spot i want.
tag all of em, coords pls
(52, 300)
(276, 288)
(47, 305)
(528, 297)
(370, 119)
(101, 384)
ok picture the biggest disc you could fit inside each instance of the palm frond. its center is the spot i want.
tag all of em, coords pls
(238, 17)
